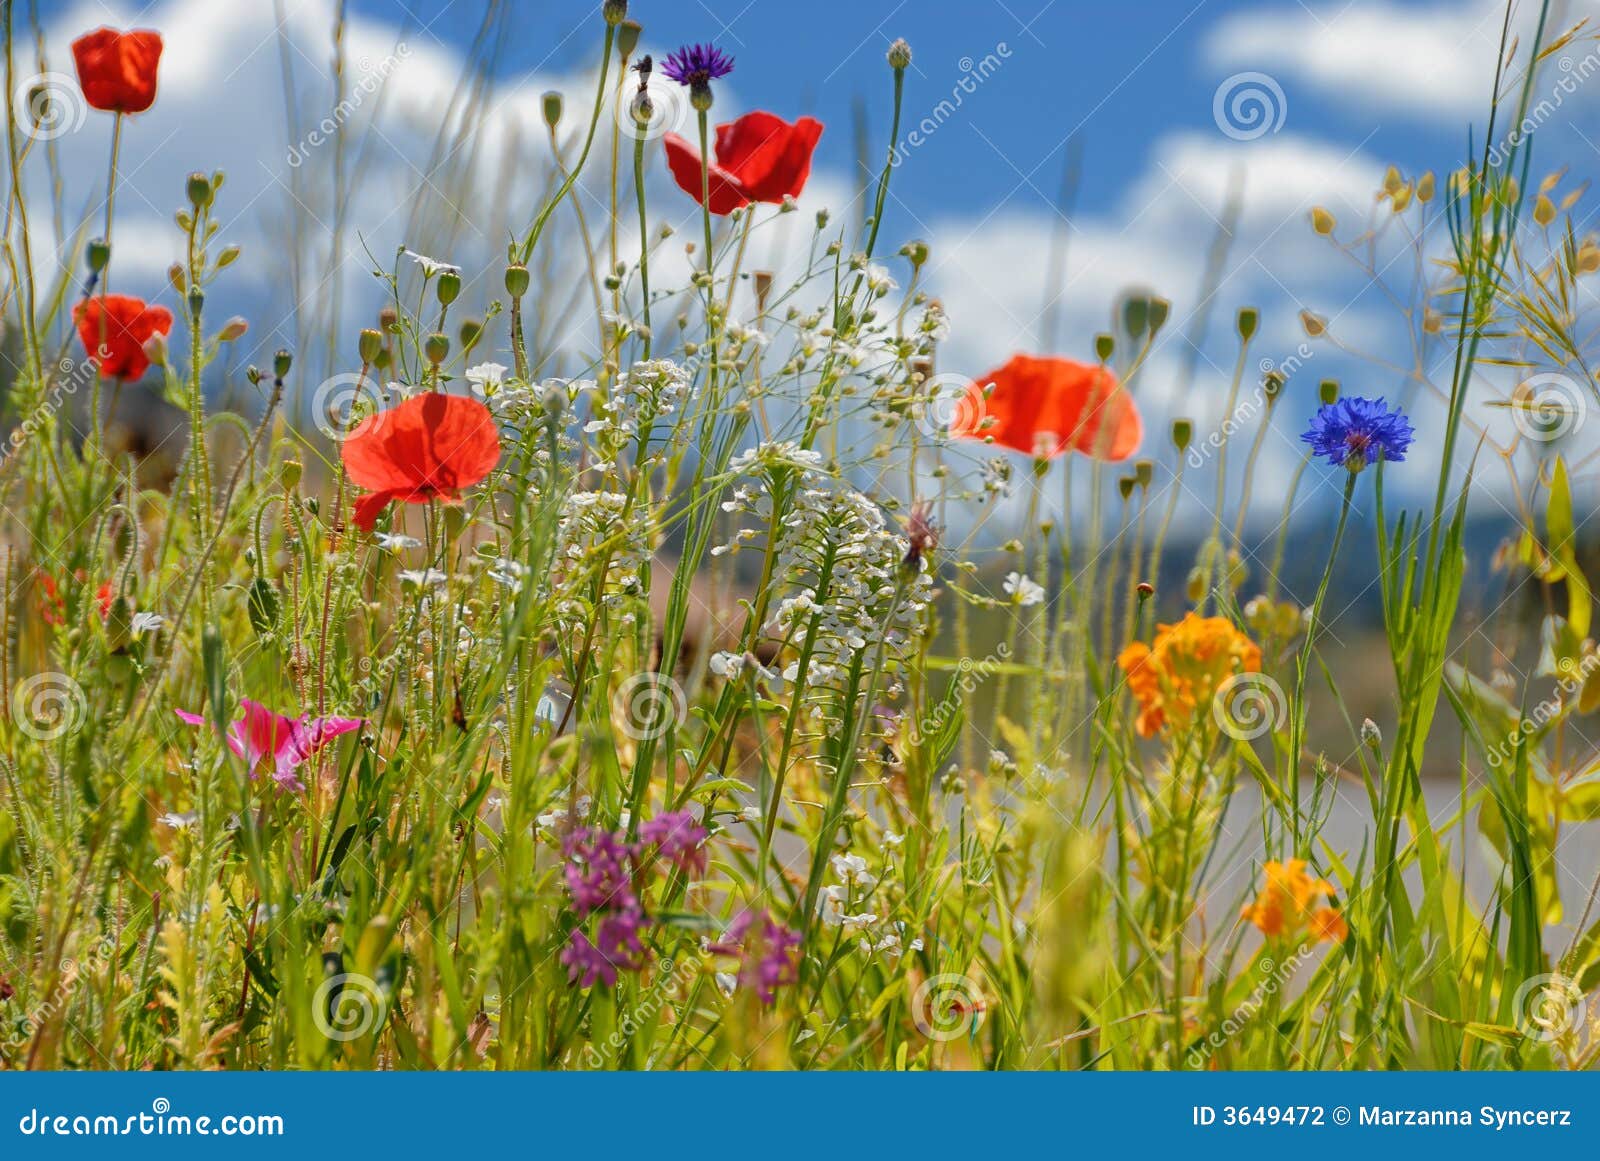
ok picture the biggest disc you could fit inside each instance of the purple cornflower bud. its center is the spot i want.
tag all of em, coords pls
(678, 839)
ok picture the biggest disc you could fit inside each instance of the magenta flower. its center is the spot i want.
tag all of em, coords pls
(769, 953)
(678, 839)
(288, 742)
(599, 871)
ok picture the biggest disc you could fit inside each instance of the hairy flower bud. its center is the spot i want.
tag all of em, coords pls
(900, 54)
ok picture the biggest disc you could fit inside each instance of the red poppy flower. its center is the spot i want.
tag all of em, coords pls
(431, 445)
(117, 70)
(759, 158)
(117, 348)
(1047, 406)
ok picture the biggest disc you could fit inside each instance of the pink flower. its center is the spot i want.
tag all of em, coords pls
(289, 742)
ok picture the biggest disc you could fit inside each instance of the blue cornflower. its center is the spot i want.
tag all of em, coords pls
(1352, 433)
(697, 65)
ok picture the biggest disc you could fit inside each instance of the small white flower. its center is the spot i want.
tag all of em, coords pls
(430, 266)
(423, 577)
(486, 377)
(147, 623)
(751, 814)
(890, 839)
(179, 821)
(727, 665)
(1023, 591)
(853, 869)
(395, 541)
(727, 981)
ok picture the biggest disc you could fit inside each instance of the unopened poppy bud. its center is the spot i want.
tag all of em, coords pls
(448, 287)
(252, 375)
(551, 105)
(1370, 734)
(900, 54)
(615, 11)
(436, 347)
(369, 344)
(516, 281)
(628, 33)
(1328, 390)
(1249, 319)
(199, 190)
(197, 301)
(1182, 433)
(1125, 486)
(177, 277)
(281, 361)
(119, 624)
(469, 332)
(1144, 471)
(1104, 346)
(1136, 315)
(289, 474)
(155, 349)
(387, 318)
(1160, 308)
(1146, 590)
(99, 254)
(234, 328)
(1322, 221)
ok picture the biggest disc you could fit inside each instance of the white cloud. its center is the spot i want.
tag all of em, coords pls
(1421, 62)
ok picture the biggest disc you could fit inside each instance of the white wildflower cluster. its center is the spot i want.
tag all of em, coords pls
(595, 530)
(853, 903)
(850, 579)
(646, 392)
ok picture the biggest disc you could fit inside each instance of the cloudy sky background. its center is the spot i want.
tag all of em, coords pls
(1350, 87)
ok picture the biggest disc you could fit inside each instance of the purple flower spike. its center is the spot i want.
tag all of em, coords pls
(1352, 433)
(679, 840)
(697, 65)
(599, 871)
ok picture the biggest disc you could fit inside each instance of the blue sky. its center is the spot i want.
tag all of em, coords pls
(1349, 87)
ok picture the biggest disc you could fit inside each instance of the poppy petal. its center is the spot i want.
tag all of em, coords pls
(683, 159)
(768, 156)
(118, 70)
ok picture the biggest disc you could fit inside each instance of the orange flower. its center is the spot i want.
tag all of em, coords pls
(1047, 406)
(1291, 903)
(1183, 670)
(430, 446)
(117, 70)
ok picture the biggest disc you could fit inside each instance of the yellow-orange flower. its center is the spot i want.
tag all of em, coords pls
(1291, 903)
(1179, 674)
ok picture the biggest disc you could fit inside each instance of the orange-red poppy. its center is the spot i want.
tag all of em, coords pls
(117, 347)
(1047, 406)
(430, 446)
(759, 158)
(117, 70)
